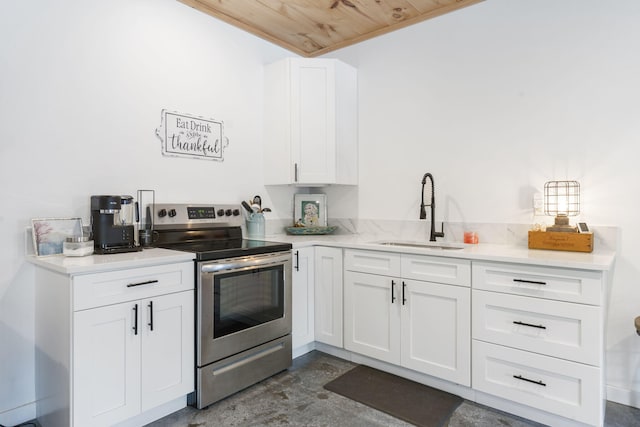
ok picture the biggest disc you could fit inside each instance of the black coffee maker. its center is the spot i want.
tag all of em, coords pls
(112, 224)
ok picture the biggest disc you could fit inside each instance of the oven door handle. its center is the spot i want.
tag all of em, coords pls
(244, 263)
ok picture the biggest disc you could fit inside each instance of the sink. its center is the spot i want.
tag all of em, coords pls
(423, 245)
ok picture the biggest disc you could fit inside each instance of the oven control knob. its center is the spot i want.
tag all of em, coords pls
(227, 212)
(162, 213)
(172, 213)
(236, 212)
(220, 212)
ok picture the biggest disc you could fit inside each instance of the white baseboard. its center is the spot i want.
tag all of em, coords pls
(624, 397)
(18, 415)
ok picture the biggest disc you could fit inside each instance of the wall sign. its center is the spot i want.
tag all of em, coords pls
(186, 135)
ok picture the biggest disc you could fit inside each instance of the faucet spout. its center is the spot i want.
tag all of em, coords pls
(432, 204)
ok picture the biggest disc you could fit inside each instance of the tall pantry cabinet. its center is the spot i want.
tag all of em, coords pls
(310, 122)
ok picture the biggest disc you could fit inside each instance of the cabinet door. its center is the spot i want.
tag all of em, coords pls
(313, 121)
(302, 298)
(167, 328)
(372, 315)
(328, 296)
(436, 333)
(106, 364)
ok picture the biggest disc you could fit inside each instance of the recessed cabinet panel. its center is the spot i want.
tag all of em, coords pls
(383, 263)
(571, 390)
(310, 122)
(372, 321)
(582, 286)
(566, 330)
(106, 354)
(328, 296)
(436, 330)
(98, 289)
(302, 298)
(451, 271)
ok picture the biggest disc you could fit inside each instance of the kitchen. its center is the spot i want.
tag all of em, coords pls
(494, 100)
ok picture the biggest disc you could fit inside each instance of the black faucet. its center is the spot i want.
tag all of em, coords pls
(423, 211)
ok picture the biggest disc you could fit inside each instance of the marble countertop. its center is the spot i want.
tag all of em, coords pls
(603, 260)
(97, 263)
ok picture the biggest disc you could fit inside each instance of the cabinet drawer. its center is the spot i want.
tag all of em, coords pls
(562, 284)
(383, 263)
(555, 328)
(451, 271)
(95, 290)
(568, 389)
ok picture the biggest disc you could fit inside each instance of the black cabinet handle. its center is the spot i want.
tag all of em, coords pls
(521, 378)
(135, 319)
(148, 282)
(404, 285)
(297, 266)
(393, 294)
(150, 315)
(517, 322)
(535, 282)
(295, 172)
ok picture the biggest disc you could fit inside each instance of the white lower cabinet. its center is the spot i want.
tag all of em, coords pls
(328, 296)
(131, 343)
(302, 297)
(538, 338)
(421, 325)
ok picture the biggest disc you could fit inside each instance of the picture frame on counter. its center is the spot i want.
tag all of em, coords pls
(310, 210)
(49, 234)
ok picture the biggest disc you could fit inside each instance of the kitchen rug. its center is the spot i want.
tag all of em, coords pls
(407, 400)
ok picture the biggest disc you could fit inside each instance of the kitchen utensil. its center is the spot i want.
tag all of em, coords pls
(257, 200)
(247, 207)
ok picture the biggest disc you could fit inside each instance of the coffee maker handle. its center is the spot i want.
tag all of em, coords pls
(137, 209)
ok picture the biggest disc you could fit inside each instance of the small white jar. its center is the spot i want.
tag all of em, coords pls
(77, 246)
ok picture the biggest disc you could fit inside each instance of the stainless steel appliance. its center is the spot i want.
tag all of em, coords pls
(243, 297)
(112, 227)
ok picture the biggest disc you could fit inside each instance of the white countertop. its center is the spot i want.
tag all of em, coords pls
(488, 252)
(96, 263)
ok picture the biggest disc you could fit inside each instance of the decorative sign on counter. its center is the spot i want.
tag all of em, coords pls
(186, 135)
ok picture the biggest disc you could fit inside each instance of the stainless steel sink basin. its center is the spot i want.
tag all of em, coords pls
(423, 245)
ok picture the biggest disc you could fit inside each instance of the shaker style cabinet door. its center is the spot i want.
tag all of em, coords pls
(372, 316)
(106, 368)
(310, 122)
(302, 327)
(328, 296)
(436, 330)
(167, 331)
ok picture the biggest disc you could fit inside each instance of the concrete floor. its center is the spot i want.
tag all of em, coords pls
(296, 397)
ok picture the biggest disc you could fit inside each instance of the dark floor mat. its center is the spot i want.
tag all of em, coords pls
(404, 399)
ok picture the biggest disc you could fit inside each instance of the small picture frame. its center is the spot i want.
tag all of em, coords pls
(310, 210)
(50, 233)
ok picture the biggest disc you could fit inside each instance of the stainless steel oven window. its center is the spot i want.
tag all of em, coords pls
(244, 299)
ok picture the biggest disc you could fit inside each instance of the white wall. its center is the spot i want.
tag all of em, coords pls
(82, 86)
(496, 99)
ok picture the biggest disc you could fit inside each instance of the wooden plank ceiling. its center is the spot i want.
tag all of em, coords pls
(314, 27)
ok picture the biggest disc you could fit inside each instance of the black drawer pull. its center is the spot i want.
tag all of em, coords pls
(535, 282)
(393, 295)
(517, 322)
(148, 282)
(150, 324)
(135, 320)
(520, 377)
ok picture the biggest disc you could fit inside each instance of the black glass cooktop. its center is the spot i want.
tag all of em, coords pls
(227, 248)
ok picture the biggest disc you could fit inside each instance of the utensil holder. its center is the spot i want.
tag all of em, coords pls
(255, 226)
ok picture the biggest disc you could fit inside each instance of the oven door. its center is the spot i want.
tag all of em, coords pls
(242, 303)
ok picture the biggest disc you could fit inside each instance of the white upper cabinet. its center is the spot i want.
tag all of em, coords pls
(310, 122)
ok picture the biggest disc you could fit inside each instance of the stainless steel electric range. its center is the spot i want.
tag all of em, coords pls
(243, 297)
